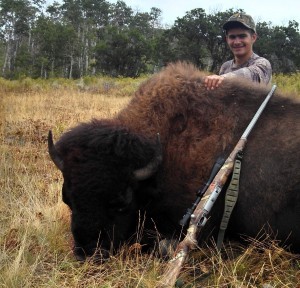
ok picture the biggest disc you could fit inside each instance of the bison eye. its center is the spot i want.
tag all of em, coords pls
(119, 208)
(122, 203)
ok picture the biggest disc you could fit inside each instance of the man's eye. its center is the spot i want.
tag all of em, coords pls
(240, 36)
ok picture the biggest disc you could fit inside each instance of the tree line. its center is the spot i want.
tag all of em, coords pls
(76, 38)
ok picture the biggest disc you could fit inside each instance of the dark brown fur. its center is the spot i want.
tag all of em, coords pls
(196, 126)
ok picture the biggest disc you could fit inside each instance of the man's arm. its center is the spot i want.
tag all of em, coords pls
(260, 72)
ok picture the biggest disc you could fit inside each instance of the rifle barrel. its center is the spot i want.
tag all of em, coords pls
(258, 113)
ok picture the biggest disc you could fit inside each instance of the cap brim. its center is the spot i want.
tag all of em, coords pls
(230, 24)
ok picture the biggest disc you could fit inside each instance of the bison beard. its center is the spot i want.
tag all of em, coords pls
(113, 171)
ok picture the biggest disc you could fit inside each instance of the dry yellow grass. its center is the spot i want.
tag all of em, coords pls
(35, 239)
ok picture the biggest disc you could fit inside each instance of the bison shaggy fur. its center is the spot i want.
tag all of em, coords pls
(100, 158)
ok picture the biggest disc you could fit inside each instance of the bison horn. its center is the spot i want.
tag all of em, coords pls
(147, 171)
(53, 153)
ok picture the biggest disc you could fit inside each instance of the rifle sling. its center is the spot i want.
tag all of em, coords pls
(230, 198)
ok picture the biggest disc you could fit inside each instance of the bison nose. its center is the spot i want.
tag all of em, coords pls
(96, 255)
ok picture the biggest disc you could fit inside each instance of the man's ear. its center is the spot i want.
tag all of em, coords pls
(254, 37)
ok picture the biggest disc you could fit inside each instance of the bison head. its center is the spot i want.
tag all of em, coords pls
(103, 167)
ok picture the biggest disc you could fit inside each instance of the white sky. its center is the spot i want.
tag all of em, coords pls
(275, 11)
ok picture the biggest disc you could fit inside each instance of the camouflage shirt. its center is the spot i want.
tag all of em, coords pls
(257, 69)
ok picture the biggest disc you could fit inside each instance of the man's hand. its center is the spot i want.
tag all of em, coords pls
(212, 82)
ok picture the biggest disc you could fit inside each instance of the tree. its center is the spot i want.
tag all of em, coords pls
(122, 52)
(74, 38)
(17, 20)
(215, 40)
(187, 37)
(56, 48)
(86, 17)
(198, 38)
(120, 14)
(285, 58)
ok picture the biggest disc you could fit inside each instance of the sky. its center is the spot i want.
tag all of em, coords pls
(274, 11)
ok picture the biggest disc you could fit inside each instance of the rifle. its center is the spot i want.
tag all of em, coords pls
(200, 193)
(198, 217)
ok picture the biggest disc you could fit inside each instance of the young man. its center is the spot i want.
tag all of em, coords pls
(240, 36)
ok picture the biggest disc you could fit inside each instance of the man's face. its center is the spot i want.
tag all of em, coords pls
(240, 42)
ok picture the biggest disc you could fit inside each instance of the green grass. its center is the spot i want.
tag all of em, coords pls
(288, 83)
(98, 85)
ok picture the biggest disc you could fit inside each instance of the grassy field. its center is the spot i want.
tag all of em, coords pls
(35, 239)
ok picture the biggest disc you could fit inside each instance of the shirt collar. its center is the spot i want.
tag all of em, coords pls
(235, 66)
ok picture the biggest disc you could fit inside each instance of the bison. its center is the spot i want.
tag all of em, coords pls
(116, 171)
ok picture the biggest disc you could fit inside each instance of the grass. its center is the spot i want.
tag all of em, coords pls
(288, 83)
(35, 238)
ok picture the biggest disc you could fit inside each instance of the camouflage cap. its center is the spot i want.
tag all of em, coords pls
(241, 18)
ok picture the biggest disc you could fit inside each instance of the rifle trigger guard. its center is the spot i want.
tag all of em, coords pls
(202, 221)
